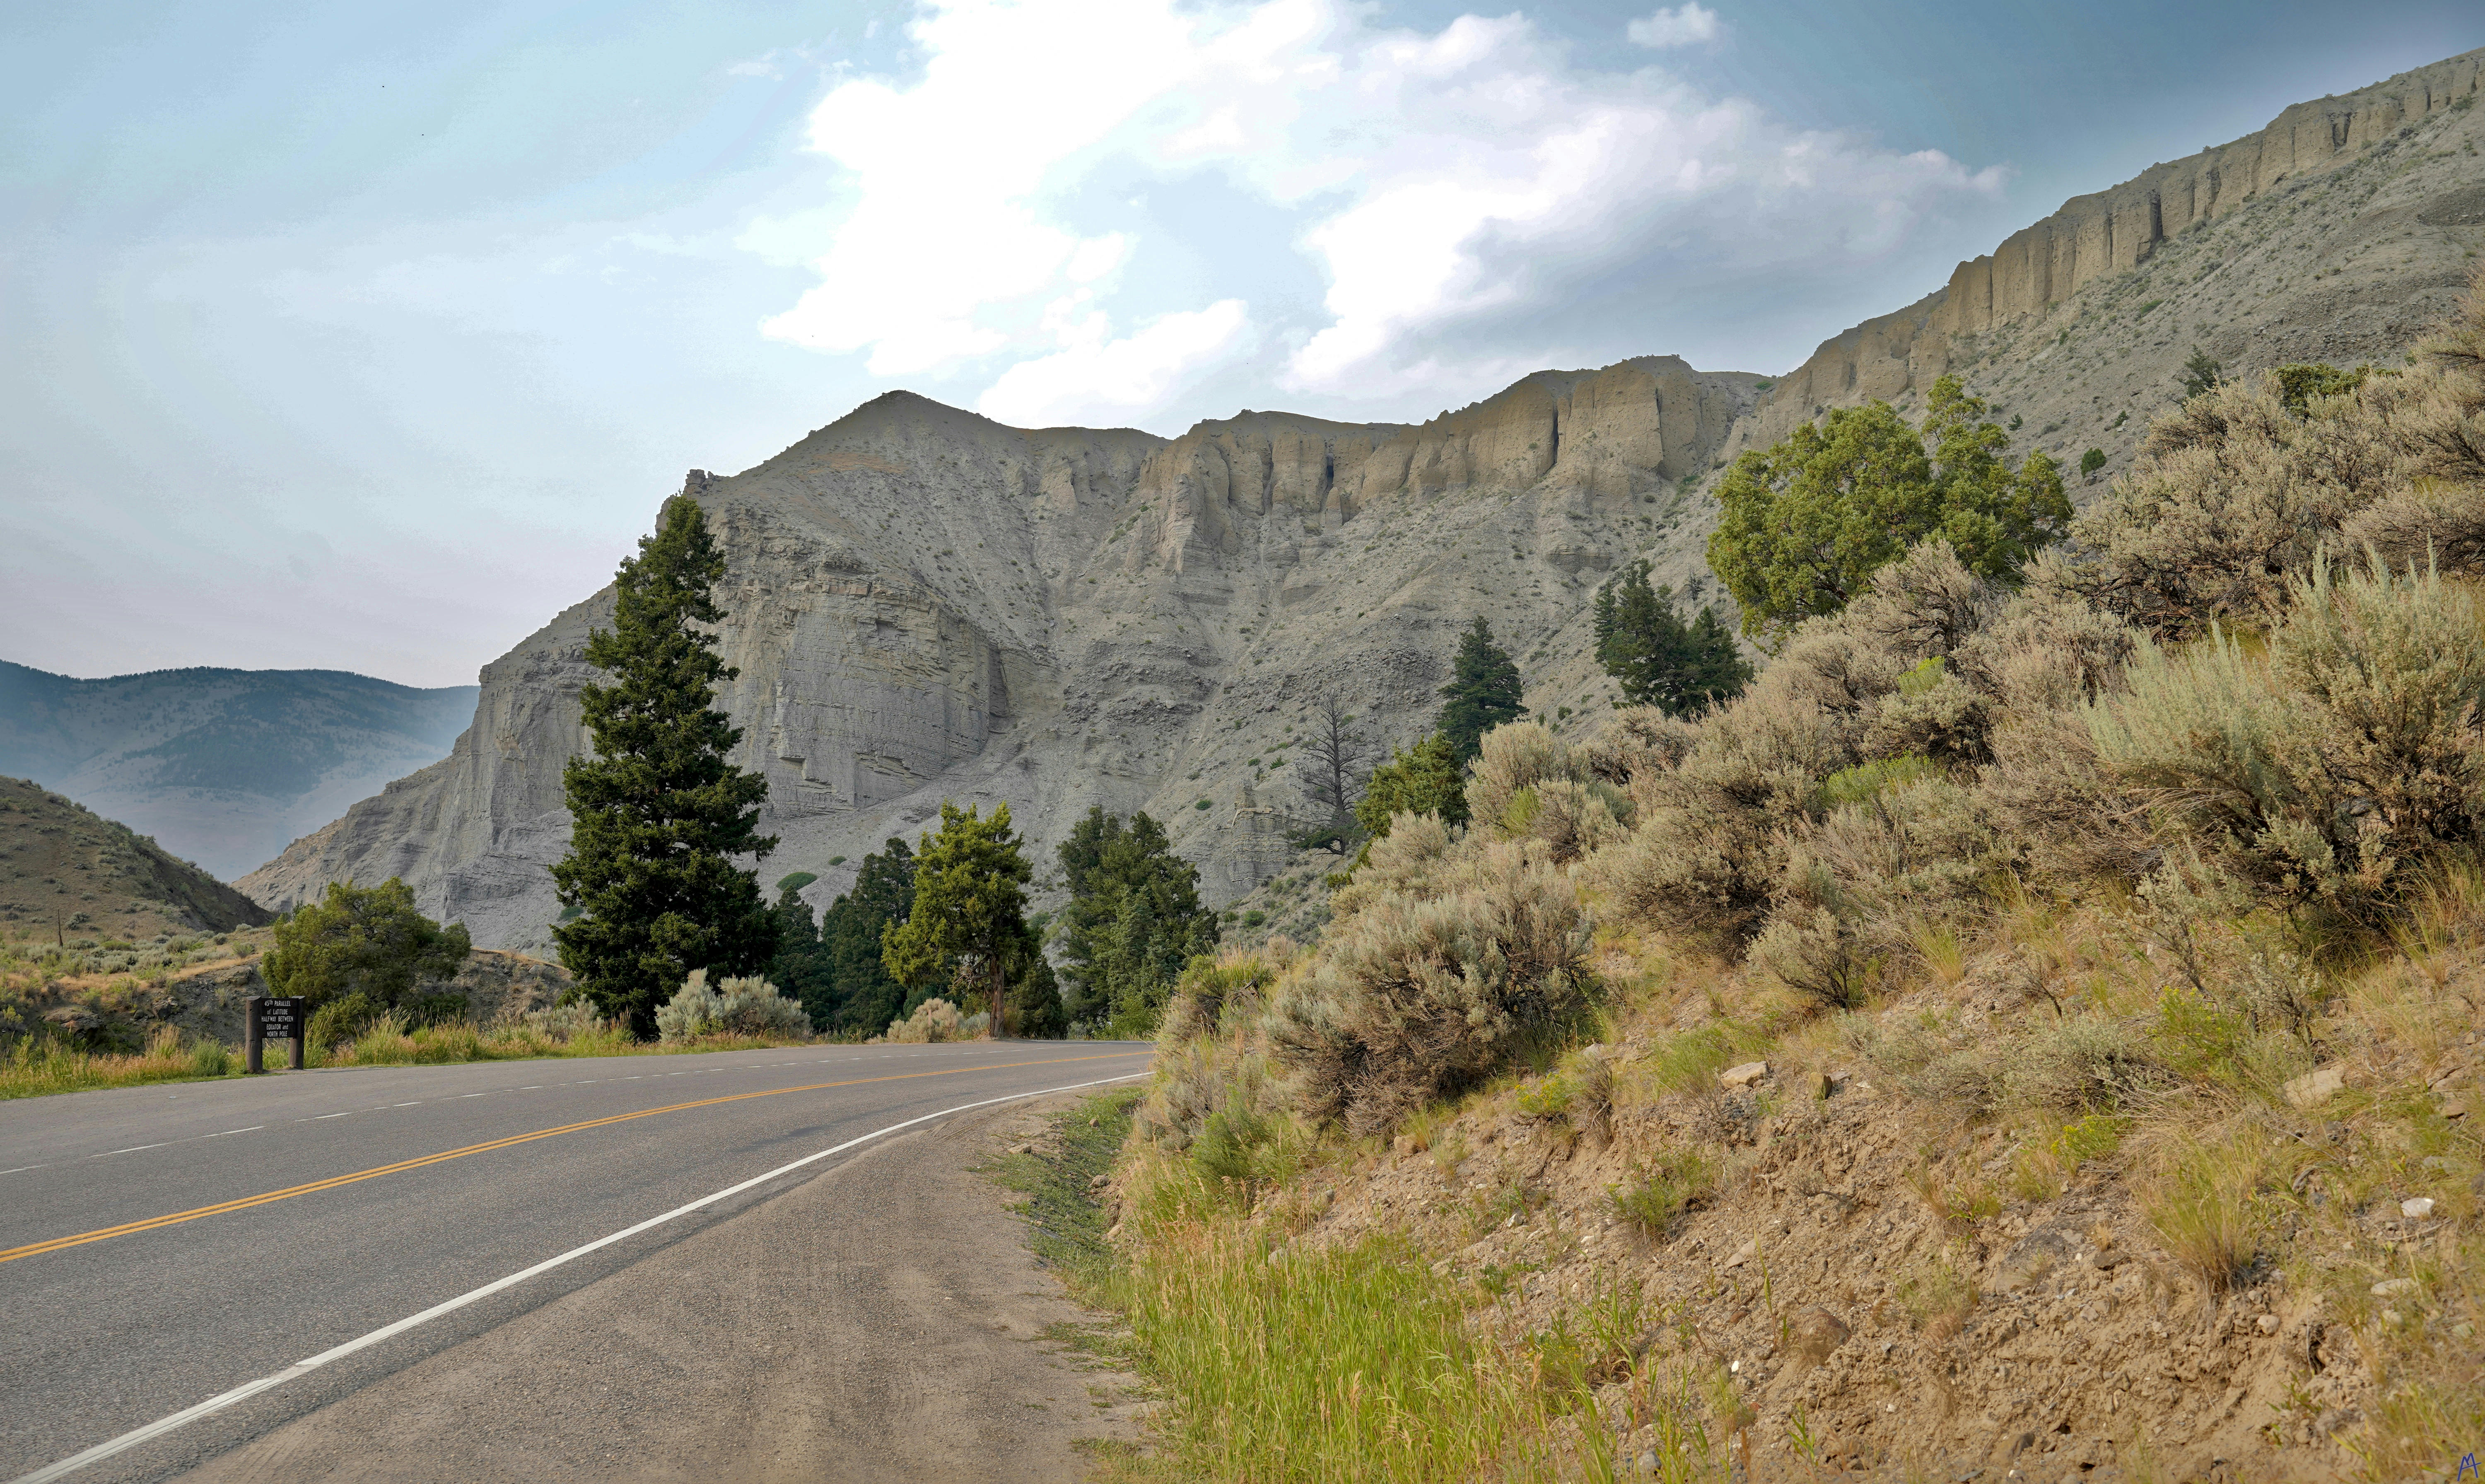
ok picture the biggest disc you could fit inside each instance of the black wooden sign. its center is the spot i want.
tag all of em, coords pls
(278, 1018)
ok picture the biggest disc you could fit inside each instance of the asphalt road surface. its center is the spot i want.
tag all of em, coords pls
(161, 1247)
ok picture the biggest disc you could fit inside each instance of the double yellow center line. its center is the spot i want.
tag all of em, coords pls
(245, 1202)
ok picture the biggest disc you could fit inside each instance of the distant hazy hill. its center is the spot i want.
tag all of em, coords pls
(223, 767)
(66, 871)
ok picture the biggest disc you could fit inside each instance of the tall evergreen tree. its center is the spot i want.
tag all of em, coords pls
(1660, 659)
(851, 933)
(1483, 693)
(1134, 919)
(968, 923)
(659, 813)
(801, 971)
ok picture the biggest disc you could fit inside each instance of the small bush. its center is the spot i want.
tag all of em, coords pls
(936, 1019)
(562, 1023)
(210, 1058)
(2327, 770)
(694, 1010)
(754, 1007)
(1658, 1198)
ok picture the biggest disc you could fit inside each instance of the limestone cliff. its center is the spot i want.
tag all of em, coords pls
(925, 604)
(2119, 231)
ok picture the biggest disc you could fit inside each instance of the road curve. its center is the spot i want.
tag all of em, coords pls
(163, 1246)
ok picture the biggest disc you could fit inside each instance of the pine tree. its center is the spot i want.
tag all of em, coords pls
(659, 813)
(1483, 693)
(1134, 919)
(968, 923)
(851, 933)
(802, 970)
(1660, 659)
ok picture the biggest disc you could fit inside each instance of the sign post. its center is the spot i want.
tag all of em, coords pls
(271, 1018)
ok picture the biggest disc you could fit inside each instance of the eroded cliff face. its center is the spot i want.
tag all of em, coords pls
(2107, 233)
(924, 605)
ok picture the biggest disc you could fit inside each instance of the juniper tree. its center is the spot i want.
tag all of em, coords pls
(1134, 919)
(1427, 780)
(1659, 658)
(658, 812)
(1807, 521)
(969, 920)
(1483, 693)
(368, 941)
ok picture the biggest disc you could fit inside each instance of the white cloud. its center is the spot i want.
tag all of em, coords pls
(1456, 190)
(1096, 378)
(1690, 24)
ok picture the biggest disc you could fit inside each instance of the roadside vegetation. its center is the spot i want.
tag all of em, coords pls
(2039, 1012)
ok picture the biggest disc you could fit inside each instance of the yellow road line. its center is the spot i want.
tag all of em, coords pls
(245, 1202)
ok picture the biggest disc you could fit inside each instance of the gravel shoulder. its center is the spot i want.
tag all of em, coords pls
(884, 1321)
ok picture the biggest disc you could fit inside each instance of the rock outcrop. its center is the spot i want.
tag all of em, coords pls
(2111, 232)
(925, 604)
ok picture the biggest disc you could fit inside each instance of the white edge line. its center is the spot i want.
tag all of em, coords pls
(299, 1368)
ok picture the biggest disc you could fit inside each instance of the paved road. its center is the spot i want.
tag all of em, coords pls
(101, 1337)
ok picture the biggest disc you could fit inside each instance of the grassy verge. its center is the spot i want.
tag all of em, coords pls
(35, 1070)
(1345, 1363)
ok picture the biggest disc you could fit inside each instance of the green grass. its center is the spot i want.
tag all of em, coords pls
(1351, 1362)
(1066, 1221)
(1658, 1198)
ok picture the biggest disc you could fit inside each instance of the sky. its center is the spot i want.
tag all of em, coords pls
(369, 336)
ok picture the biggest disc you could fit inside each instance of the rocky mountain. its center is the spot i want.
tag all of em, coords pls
(67, 873)
(2332, 234)
(223, 767)
(926, 604)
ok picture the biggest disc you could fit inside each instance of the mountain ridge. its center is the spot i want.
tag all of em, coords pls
(925, 603)
(221, 766)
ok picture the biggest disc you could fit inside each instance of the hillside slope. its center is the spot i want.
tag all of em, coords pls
(223, 767)
(68, 873)
(927, 604)
(2330, 235)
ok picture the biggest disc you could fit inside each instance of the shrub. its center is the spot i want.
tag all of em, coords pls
(1514, 758)
(754, 1007)
(936, 1019)
(1858, 885)
(2325, 772)
(694, 1010)
(566, 1022)
(1415, 1000)
(1658, 1198)
(210, 1058)
(1211, 991)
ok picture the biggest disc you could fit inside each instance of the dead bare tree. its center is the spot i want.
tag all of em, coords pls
(1332, 768)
